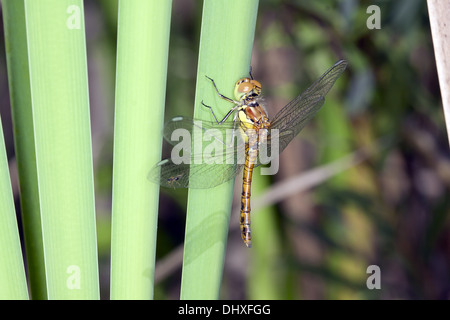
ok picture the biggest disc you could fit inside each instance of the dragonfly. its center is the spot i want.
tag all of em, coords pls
(251, 131)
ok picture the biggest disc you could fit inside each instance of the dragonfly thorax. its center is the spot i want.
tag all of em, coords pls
(247, 89)
(253, 116)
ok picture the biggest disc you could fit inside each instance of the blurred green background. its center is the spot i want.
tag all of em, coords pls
(390, 210)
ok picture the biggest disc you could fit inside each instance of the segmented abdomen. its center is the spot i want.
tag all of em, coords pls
(250, 159)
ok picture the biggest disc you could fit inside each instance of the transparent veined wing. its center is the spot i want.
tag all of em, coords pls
(197, 176)
(219, 158)
(297, 113)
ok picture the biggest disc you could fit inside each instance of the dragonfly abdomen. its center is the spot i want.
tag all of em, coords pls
(250, 160)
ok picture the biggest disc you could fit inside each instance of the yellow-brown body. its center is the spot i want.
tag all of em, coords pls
(254, 124)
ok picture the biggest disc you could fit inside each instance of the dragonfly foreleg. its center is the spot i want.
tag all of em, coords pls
(214, 115)
(221, 95)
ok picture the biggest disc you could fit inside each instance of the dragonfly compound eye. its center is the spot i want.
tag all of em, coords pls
(241, 81)
(256, 84)
(246, 87)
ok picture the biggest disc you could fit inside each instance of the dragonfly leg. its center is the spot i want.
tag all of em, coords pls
(214, 115)
(212, 111)
(221, 95)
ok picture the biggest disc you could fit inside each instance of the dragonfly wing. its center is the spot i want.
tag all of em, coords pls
(216, 165)
(197, 176)
(278, 143)
(297, 113)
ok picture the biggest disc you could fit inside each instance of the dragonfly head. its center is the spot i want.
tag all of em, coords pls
(247, 89)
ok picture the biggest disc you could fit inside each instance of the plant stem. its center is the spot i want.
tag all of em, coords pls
(60, 105)
(142, 52)
(440, 29)
(19, 88)
(12, 272)
(226, 43)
